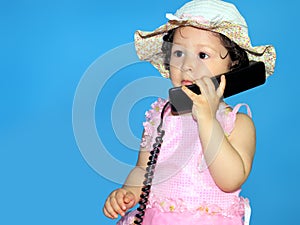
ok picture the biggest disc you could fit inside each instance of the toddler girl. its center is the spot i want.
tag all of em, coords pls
(206, 155)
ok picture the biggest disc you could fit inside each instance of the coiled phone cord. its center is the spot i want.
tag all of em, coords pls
(150, 170)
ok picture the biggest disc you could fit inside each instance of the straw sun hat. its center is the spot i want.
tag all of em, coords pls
(214, 15)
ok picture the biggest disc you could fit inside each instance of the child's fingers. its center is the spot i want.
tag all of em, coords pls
(107, 214)
(221, 88)
(120, 195)
(117, 205)
(109, 210)
(113, 204)
(129, 200)
(203, 84)
(209, 85)
(129, 197)
(189, 93)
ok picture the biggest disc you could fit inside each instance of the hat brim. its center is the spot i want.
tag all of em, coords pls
(148, 44)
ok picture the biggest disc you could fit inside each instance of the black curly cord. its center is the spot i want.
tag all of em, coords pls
(150, 170)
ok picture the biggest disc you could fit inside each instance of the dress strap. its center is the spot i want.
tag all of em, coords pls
(227, 117)
(238, 106)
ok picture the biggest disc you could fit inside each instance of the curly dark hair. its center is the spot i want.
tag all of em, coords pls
(236, 53)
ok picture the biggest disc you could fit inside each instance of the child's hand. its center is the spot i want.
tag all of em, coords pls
(118, 202)
(206, 104)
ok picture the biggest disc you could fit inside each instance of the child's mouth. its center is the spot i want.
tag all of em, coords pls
(186, 82)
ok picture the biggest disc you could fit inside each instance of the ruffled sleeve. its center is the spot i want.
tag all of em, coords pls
(152, 121)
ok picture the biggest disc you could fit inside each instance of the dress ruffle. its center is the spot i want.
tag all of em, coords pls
(152, 120)
(176, 209)
(237, 208)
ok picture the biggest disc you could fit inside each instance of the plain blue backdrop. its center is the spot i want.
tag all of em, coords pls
(45, 49)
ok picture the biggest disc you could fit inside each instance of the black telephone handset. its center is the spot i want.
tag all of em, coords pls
(236, 81)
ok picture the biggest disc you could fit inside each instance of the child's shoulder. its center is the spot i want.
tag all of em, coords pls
(155, 109)
(243, 122)
(152, 120)
(158, 104)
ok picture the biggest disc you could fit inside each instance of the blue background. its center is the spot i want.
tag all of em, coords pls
(45, 48)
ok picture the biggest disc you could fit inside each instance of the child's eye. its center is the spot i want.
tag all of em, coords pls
(178, 53)
(203, 55)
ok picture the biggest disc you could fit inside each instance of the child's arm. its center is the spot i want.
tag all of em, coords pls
(229, 159)
(122, 199)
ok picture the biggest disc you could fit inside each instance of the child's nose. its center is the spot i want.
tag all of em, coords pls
(188, 64)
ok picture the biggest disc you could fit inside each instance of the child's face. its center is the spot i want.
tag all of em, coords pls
(196, 53)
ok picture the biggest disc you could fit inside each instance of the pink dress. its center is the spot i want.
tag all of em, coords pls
(183, 191)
